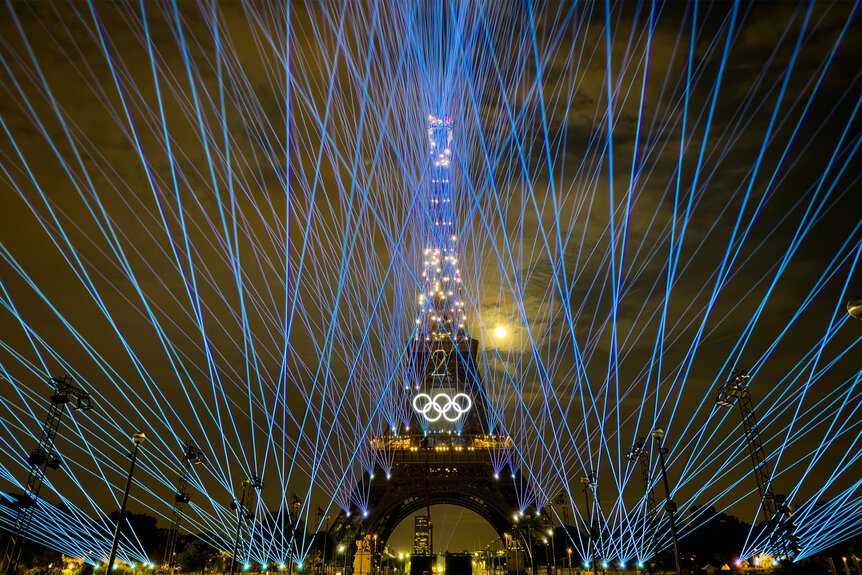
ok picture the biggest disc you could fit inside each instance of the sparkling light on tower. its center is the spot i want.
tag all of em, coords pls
(442, 351)
(441, 308)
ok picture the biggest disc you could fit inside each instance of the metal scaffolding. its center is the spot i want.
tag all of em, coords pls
(778, 513)
(640, 455)
(191, 456)
(44, 456)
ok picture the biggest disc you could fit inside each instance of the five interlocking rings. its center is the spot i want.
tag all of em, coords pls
(441, 405)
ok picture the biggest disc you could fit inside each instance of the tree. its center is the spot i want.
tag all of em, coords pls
(199, 557)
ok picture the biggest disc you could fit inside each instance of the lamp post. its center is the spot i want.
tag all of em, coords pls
(569, 551)
(242, 513)
(670, 506)
(589, 482)
(547, 563)
(138, 438)
(343, 549)
(553, 549)
(239, 516)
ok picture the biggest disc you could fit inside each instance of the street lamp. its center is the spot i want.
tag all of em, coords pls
(589, 482)
(341, 549)
(254, 483)
(569, 551)
(553, 549)
(670, 506)
(138, 438)
(547, 563)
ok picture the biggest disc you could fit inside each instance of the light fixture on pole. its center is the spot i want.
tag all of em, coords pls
(553, 548)
(589, 483)
(138, 438)
(343, 549)
(670, 506)
(242, 513)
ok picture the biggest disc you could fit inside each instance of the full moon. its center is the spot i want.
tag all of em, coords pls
(500, 331)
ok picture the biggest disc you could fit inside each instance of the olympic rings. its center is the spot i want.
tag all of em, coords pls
(442, 406)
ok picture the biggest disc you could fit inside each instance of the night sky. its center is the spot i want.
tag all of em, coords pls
(211, 217)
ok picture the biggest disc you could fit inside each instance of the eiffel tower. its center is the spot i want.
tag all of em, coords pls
(444, 455)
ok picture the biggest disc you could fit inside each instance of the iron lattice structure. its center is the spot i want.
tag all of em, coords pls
(640, 455)
(245, 516)
(44, 456)
(445, 459)
(191, 456)
(781, 538)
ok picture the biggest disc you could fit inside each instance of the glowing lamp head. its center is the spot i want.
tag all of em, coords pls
(500, 332)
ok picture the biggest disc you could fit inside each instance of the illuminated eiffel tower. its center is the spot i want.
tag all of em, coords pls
(444, 455)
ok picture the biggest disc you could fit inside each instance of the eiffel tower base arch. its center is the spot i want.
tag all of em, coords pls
(460, 475)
